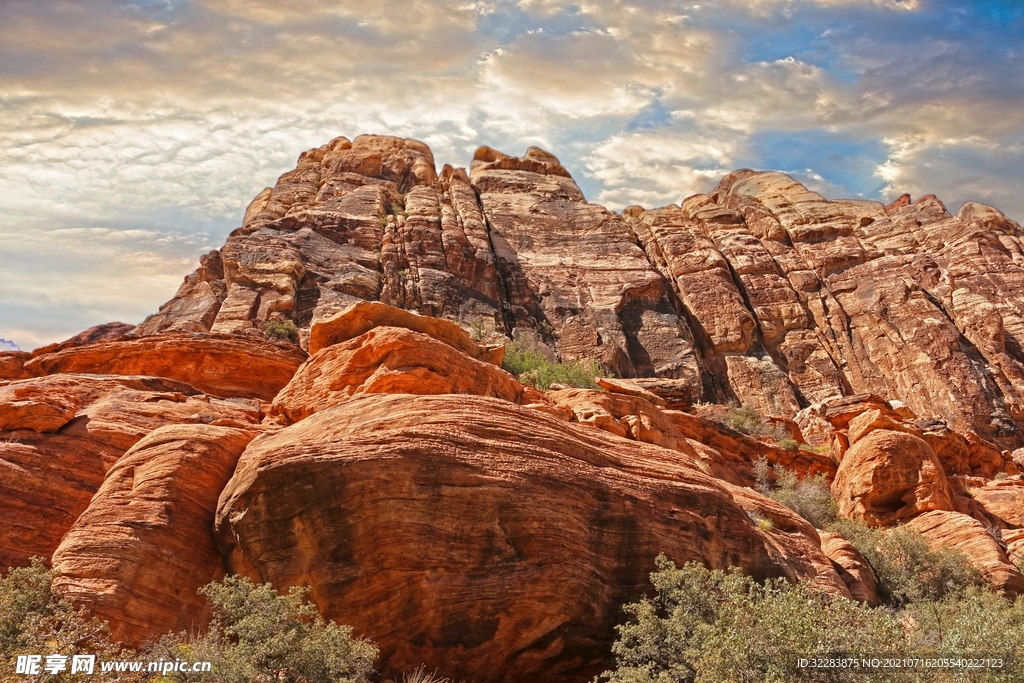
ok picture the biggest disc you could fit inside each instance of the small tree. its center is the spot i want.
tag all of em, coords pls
(908, 569)
(35, 620)
(259, 635)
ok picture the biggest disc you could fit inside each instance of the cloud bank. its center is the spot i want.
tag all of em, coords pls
(133, 134)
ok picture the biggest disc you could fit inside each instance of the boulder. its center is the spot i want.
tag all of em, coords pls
(363, 316)
(486, 539)
(389, 360)
(889, 476)
(12, 364)
(137, 555)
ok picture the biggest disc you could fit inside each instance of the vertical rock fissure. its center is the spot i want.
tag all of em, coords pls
(504, 291)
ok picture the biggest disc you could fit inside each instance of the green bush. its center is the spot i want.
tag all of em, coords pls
(283, 330)
(810, 497)
(748, 420)
(707, 626)
(533, 368)
(37, 621)
(259, 635)
(907, 568)
(720, 627)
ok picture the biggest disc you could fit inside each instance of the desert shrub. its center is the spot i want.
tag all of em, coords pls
(748, 420)
(421, 675)
(708, 626)
(789, 444)
(533, 368)
(259, 635)
(907, 568)
(810, 497)
(34, 620)
(283, 330)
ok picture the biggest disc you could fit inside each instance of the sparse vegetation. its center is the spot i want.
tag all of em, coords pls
(789, 444)
(283, 330)
(421, 675)
(908, 569)
(533, 368)
(258, 635)
(810, 497)
(748, 420)
(705, 626)
(36, 620)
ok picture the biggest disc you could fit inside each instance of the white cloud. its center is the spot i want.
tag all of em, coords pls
(158, 125)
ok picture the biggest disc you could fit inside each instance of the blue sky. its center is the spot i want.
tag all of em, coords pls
(133, 134)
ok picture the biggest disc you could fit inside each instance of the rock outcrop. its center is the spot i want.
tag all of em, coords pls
(316, 405)
(137, 555)
(469, 533)
(221, 365)
(760, 291)
(59, 435)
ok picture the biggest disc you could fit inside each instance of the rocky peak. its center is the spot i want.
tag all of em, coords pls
(760, 291)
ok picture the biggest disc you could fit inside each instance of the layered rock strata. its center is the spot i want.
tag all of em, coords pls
(760, 292)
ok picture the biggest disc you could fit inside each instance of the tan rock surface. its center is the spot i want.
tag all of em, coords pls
(476, 535)
(389, 360)
(221, 365)
(137, 555)
(944, 529)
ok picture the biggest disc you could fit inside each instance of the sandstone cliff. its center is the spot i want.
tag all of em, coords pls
(760, 292)
(463, 520)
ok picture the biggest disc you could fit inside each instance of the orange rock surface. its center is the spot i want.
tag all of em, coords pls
(61, 433)
(221, 365)
(889, 476)
(470, 533)
(852, 568)
(389, 360)
(137, 555)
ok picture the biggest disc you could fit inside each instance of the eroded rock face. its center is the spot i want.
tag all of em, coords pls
(389, 360)
(760, 291)
(890, 476)
(947, 529)
(468, 532)
(138, 554)
(221, 365)
(60, 434)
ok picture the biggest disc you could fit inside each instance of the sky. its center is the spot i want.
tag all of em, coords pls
(134, 133)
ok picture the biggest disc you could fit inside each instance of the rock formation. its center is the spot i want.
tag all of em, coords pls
(317, 406)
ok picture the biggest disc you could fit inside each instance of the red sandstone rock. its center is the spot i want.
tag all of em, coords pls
(852, 568)
(137, 555)
(888, 476)
(362, 317)
(221, 365)
(389, 360)
(946, 529)
(759, 291)
(47, 478)
(93, 335)
(483, 537)
(12, 364)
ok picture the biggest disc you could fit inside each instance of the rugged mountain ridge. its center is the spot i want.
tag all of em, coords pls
(463, 520)
(760, 291)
